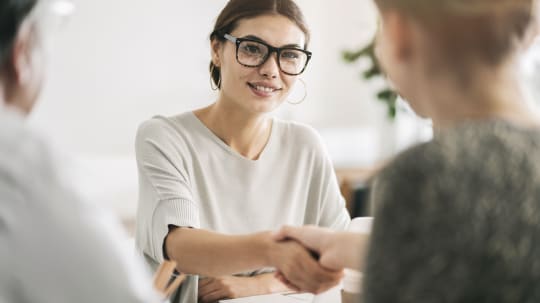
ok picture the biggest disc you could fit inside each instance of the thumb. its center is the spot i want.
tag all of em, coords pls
(281, 234)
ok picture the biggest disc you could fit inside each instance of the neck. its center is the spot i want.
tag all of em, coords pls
(488, 94)
(245, 133)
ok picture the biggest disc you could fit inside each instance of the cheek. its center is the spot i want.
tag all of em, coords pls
(381, 52)
(289, 83)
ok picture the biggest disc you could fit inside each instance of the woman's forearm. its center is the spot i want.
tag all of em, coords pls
(212, 254)
(270, 284)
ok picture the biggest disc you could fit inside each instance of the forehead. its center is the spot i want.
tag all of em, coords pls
(276, 30)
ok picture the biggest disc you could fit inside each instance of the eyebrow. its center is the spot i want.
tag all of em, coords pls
(252, 37)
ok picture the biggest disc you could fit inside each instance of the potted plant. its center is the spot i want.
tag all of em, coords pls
(386, 95)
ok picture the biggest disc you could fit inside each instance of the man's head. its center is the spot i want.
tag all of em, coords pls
(21, 54)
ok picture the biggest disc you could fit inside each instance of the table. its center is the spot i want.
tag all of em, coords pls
(331, 296)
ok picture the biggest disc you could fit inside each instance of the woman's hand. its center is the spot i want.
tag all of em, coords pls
(231, 287)
(336, 250)
(301, 269)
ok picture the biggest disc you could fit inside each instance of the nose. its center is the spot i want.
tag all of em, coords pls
(270, 68)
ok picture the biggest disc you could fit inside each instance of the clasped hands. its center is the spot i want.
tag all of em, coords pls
(305, 259)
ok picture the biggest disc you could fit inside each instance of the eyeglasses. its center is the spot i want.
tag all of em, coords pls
(252, 53)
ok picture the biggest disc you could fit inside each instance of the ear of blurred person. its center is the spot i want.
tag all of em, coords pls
(54, 245)
(22, 69)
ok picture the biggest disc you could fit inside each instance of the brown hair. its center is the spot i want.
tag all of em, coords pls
(12, 15)
(464, 30)
(236, 10)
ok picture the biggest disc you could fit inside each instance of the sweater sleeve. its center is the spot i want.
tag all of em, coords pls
(334, 214)
(165, 196)
(324, 187)
(411, 238)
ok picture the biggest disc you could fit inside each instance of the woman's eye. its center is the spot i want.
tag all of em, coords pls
(290, 55)
(251, 49)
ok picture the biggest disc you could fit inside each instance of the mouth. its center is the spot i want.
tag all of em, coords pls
(263, 90)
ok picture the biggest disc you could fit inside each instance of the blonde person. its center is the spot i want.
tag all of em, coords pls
(458, 218)
(215, 181)
(54, 247)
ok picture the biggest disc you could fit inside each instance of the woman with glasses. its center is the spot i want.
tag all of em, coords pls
(458, 218)
(214, 181)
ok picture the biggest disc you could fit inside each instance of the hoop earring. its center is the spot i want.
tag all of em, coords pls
(305, 93)
(212, 86)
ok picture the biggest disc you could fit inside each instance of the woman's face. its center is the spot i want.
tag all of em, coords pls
(257, 89)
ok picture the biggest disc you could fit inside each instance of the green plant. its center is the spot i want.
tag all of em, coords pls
(386, 95)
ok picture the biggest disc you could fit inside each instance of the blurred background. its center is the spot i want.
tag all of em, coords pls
(117, 63)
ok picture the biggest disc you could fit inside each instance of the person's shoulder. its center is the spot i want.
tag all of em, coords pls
(299, 134)
(23, 149)
(468, 151)
(420, 160)
(167, 131)
(158, 125)
(495, 142)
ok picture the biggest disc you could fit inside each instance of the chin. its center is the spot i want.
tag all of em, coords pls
(263, 109)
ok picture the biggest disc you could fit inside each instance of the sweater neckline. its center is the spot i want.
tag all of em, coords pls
(266, 149)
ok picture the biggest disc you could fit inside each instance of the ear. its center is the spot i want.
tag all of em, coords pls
(215, 48)
(398, 29)
(21, 55)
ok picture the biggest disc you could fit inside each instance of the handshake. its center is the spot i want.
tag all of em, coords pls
(312, 259)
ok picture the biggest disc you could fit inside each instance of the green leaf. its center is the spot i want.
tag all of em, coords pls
(387, 95)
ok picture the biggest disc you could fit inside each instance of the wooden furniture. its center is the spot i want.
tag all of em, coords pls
(351, 180)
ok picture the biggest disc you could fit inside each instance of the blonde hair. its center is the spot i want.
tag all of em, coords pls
(464, 30)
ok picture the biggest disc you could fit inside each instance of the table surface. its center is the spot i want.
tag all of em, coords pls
(331, 296)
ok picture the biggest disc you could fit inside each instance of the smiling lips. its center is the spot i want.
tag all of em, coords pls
(263, 89)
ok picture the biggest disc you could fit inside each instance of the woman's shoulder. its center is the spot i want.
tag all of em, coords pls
(298, 133)
(180, 127)
(167, 131)
(161, 123)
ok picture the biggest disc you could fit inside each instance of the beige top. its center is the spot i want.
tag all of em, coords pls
(189, 177)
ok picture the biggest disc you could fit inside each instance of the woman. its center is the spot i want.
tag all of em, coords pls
(458, 218)
(213, 182)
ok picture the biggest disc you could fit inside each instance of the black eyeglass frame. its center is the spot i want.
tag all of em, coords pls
(271, 50)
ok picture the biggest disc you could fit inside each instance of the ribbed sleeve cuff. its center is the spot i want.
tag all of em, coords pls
(342, 221)
(178, 212)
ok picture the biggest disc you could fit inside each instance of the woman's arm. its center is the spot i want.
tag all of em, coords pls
(212, 254)
(232, 287)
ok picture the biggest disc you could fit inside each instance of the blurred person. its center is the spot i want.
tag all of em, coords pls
(457, 218)
(214, 182)
(53, 246)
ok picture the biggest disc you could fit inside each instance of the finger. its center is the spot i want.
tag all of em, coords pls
(297, 272)
(312, 277)
(209, 288)
(214, 296)
(285, 282)
(289, 285)
(205, 281)
(323, 274)
(281, 234)
(296, 280)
